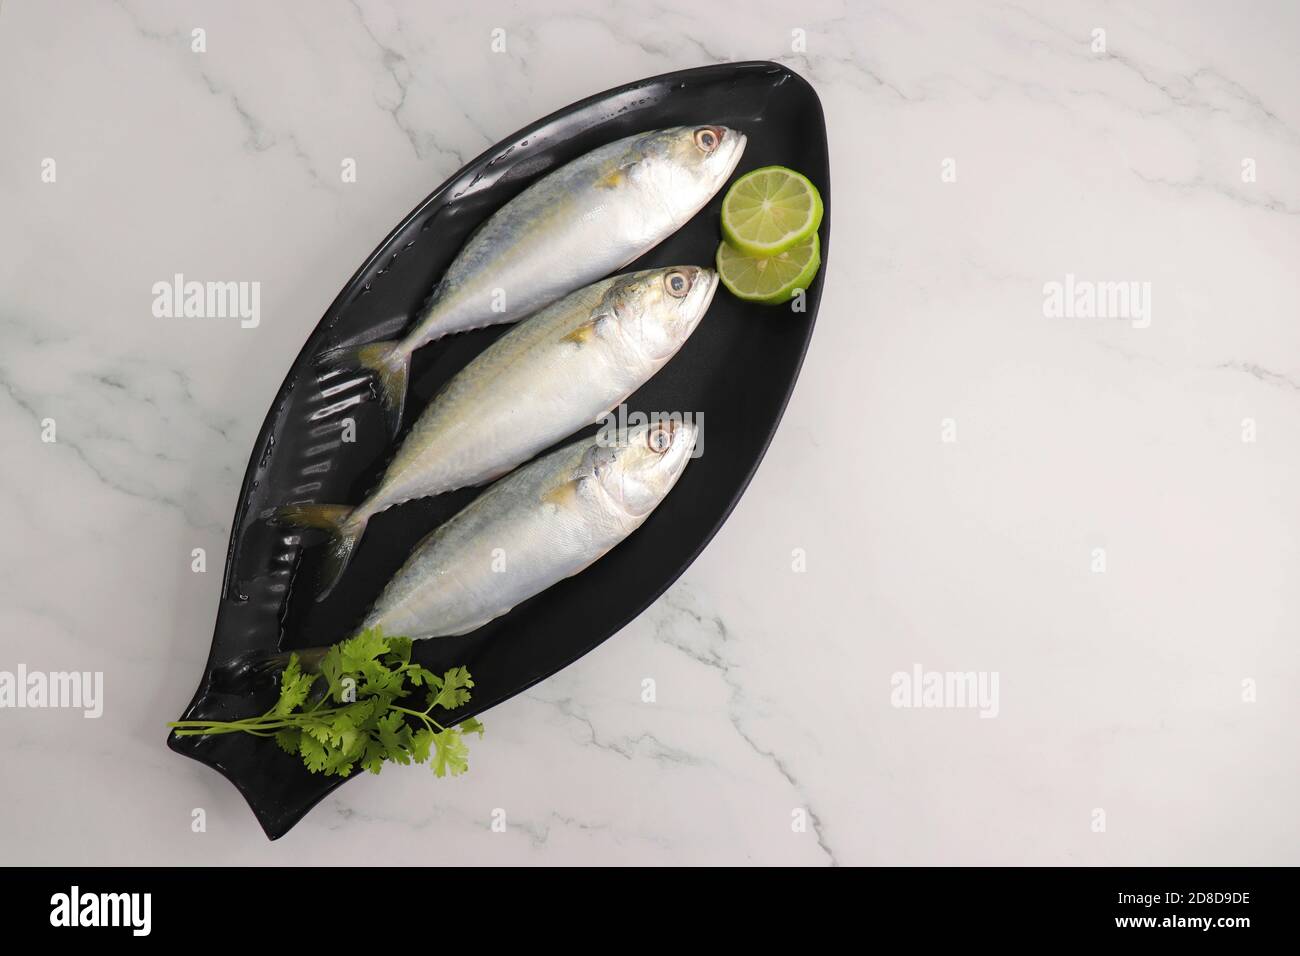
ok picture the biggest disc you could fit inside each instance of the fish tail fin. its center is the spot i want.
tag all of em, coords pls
(391, 364)
(345, 525)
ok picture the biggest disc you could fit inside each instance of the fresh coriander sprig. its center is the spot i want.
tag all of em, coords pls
(354, 718)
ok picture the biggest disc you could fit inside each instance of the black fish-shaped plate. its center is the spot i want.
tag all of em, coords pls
(734, 375)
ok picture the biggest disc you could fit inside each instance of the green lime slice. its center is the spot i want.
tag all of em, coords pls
(769, 279)
(770, 210)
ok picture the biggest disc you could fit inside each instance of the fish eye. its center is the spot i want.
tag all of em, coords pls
(707, 138)
(659, 439)
(677, 284)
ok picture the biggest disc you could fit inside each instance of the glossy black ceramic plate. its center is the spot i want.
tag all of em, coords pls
(735, 375)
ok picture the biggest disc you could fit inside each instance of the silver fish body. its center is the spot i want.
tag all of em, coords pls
(587, 219)
(555, 372)
(537, 526)
(583, 221)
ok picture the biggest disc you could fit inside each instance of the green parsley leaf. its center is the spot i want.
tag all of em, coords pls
(400, 647)
(314, 754)
(454, 693)
(373, 758)
(452, 755)
(421, 744)
(359, 650)
(294, 687)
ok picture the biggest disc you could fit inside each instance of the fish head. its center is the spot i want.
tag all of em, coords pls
(641, 466)
(657, 310)
(687, 165)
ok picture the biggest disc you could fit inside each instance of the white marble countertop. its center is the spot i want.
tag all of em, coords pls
(1146, 713)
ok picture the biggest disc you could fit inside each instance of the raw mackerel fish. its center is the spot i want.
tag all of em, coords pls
(537, 526)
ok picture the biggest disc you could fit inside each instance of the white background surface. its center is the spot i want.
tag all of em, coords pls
(1119, 691)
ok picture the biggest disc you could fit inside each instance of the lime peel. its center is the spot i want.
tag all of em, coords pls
(771, 280)
(770, 210)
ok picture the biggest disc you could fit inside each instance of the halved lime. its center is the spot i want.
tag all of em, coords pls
(769, 279)
(770, 210)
